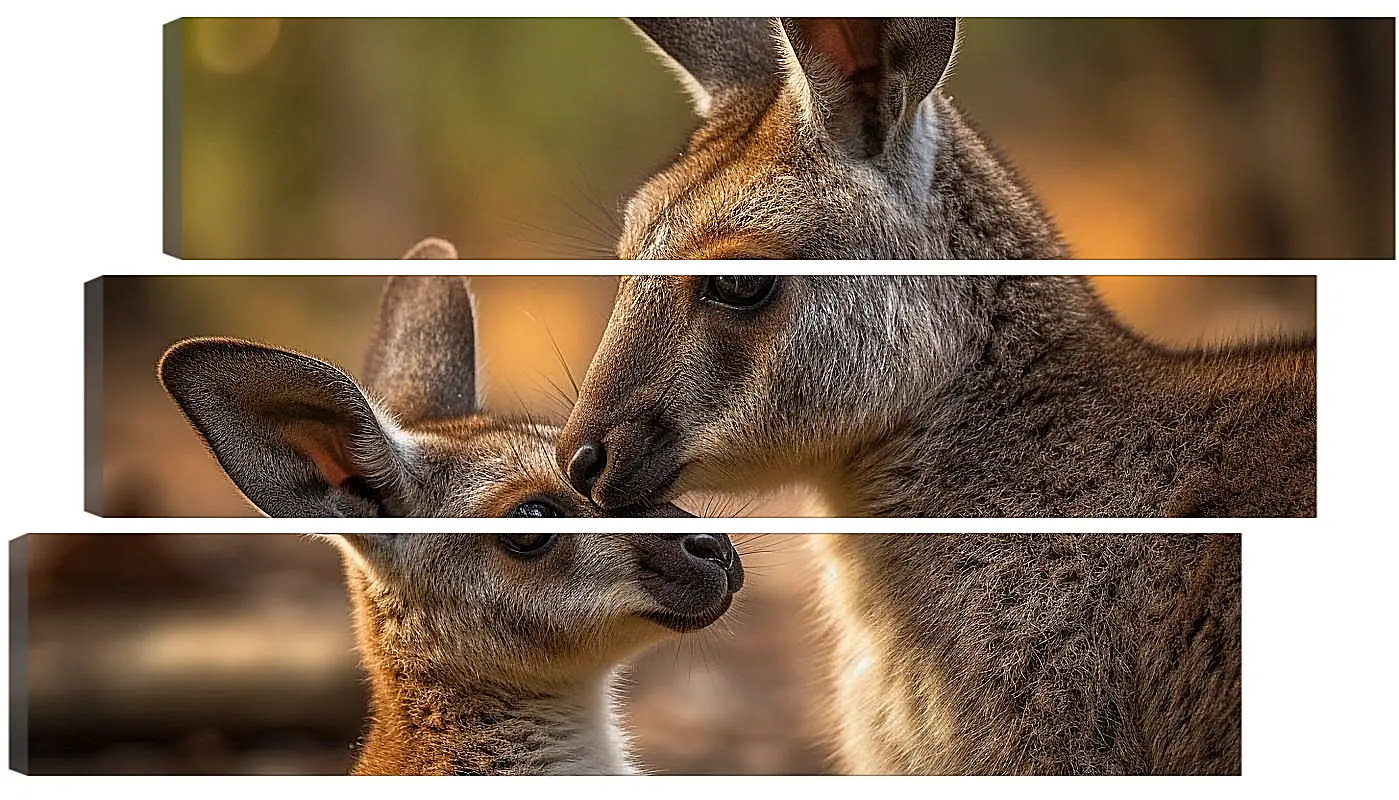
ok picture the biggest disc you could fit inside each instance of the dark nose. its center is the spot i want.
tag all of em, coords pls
(716, 550)
(586, 465)
(708, 548)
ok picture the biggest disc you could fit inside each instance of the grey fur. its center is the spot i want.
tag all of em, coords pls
(941, 396)
(1036, 653)
(826, 150)
(290, 430)
(432, 249)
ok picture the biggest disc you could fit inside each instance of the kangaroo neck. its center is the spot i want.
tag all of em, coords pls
(979, 207)
(429, 727)
(1043, 349)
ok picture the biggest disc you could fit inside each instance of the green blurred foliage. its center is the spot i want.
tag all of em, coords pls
(357, 137)
(316, 138)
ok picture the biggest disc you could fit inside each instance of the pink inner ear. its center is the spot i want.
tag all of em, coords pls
(324, 448)
(852, 44)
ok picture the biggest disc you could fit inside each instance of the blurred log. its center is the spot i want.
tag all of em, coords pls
(130, 674)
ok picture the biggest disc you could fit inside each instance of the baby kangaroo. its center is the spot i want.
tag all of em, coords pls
(301, 438)
(828, 138)
(496, 654)
(934, 395)
(1036, 653)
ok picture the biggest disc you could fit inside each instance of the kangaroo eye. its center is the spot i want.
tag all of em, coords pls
(535, 508)
(740, 291)
(525, 545)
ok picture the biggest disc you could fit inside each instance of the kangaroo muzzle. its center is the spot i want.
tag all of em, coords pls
(586, 465)
(692, 578)
(628, 465)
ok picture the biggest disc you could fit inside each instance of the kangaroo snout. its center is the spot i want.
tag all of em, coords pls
(626, 465)
(585, 465)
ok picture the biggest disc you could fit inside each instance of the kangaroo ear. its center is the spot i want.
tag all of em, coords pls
(862, 79)
(295, 434)
(432, 248)
(714, 56)
(422, 361)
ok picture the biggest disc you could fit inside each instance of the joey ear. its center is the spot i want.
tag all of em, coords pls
(714, 56)
(432, 248)
(863, 78)
(422, 360)
(295, 434)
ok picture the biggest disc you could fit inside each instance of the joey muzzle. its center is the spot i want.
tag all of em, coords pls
(692, 577)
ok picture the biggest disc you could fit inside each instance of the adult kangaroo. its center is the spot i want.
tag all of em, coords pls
(1039, 654)
(934, 395)
(907, 395)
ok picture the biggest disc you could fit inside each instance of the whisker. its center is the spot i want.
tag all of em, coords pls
(563, 362)
(583, 187)
(564, 243)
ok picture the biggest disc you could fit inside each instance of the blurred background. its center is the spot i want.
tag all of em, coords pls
(232, 654)
(145, 460)
(521, 138)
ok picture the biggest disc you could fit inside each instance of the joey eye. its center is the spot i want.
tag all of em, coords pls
(527, 545)
(535, 508)
(740, 291)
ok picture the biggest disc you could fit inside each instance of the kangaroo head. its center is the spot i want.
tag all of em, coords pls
(530, 611)
(724, 383)
(826, 138)
(301, 438)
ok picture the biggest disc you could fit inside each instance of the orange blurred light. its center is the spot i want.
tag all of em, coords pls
(234, 46)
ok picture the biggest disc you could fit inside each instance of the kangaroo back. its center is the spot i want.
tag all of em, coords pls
(828, 138)
(1036, 653)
